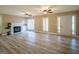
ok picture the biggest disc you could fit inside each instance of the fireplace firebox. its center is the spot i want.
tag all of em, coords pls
(17, 29)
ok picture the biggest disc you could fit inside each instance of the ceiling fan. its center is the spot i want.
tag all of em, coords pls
(48, 9)
(28, 14)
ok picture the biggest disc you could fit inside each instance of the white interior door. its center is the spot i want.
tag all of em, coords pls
(66, 25)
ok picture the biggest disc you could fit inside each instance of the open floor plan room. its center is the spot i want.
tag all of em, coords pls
(39, 29)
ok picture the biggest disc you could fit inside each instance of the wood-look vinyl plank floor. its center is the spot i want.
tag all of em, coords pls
(38, 43)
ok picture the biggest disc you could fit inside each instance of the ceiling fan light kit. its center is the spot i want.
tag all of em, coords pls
(28, 14)
(47, 11)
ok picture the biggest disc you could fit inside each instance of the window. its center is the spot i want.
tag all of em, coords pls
(58, 20)
(45, 24)
(73, 25)
(30, 24)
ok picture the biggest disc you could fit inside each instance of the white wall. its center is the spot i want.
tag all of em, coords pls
(23, 27)
(15, 21)
(0, 24)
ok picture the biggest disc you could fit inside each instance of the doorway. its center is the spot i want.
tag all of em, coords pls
(66, 25)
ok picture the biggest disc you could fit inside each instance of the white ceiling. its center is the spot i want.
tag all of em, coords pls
(19, 10)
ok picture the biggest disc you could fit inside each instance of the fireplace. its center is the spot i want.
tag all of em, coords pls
(17, 29)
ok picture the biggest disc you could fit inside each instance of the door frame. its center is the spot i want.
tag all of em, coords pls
(59, 25)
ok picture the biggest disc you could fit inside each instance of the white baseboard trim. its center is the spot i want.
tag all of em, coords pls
(52, 33)
(45, 32)
(3, 34)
